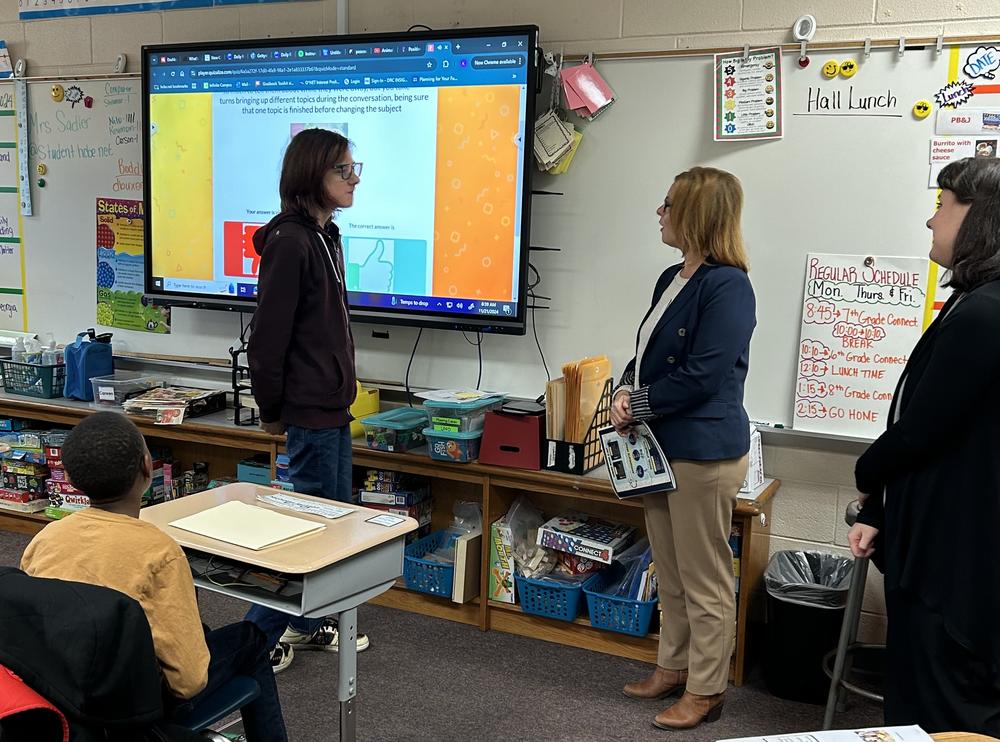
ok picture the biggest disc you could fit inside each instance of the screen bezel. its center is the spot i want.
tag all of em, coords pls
(515, 325)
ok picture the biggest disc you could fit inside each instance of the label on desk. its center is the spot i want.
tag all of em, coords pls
(386, 520)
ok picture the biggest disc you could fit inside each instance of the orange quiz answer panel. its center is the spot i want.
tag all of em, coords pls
(476, 192)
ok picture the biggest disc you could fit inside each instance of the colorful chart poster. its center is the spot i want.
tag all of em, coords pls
(748, 96)
(29, 10)
(121, 269)
(861, 317)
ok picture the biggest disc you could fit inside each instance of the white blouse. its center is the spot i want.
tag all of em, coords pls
(646, 331)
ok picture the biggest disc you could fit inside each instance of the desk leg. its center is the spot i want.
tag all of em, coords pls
(347, 677)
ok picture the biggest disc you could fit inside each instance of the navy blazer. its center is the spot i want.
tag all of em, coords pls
(690, 390)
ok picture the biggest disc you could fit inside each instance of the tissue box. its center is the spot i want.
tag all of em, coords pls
(755, 470)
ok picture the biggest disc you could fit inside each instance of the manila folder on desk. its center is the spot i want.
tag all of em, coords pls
(246, 525)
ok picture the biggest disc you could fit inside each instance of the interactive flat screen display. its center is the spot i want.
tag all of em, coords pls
(438, 233)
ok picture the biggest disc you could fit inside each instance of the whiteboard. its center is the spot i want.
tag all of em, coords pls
(833, 185)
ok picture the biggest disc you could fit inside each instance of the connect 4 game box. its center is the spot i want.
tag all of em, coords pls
(586, 536)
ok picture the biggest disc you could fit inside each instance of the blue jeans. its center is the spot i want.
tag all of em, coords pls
(240, 649)
(319, 463)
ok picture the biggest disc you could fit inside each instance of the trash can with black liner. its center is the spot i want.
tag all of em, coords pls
(806, 598)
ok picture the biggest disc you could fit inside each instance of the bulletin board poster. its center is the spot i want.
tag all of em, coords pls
(748, 97)
(29, 10)
(121, 269)
(861, 317)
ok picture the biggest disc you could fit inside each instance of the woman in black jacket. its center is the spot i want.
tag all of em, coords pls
(931, 482)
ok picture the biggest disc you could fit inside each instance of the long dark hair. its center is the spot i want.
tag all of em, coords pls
(976, 258)
(309, 157)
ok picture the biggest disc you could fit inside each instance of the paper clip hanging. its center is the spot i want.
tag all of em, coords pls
(868, 48)
(939, 47)
(902, 45)
(746, 53)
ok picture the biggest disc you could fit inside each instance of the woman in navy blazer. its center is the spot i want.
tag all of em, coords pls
(686, 383)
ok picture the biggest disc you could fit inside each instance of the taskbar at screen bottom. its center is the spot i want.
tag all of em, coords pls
(449, 305)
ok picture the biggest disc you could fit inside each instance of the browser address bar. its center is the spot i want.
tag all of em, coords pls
(374, 65)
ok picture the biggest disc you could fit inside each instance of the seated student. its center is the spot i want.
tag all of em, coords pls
(107, 459)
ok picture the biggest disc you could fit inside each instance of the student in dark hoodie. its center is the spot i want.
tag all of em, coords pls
(301, 348)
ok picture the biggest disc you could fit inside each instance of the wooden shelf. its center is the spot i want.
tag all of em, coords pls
(215, 438)
(429, 605)
(579, 620)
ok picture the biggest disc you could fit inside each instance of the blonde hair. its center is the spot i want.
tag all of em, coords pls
(705, 214)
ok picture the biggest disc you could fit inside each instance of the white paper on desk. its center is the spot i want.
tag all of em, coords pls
(246, 525)
(872, 734)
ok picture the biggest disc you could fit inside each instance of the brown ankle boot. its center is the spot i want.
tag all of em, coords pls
(660, 684)
(691, 711)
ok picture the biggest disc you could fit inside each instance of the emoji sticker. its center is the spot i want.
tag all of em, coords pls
(769, 76)
(769, 100)
(769, 88)
(830, 69)
(769, 112)
(921, 109)
(58, 93)
(770, 124)
(848, 67)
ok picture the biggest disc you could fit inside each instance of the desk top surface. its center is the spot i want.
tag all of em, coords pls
(342, 538)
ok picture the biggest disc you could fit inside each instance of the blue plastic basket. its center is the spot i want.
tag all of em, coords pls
(549, 599)
(425, 576)
(612, 613)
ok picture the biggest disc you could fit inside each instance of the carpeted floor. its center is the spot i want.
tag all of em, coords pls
(429, 679)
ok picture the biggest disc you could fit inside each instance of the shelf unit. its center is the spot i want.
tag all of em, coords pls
(217, 440)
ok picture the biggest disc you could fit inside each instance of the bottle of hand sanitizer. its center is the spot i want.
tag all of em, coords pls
(17, 354)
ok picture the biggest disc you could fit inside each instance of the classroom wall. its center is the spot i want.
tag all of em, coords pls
(817, 482)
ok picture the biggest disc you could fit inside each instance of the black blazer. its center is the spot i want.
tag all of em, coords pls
(692, 374)
(939, 467)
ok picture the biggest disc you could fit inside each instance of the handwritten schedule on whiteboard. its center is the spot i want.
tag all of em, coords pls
(861, 317)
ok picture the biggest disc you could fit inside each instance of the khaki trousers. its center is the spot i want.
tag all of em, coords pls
(688, 530)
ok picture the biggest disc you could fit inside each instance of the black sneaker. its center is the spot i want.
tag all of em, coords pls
(326, 637)
(281, 656)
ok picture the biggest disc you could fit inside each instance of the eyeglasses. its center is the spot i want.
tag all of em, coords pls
(347, 169)
(665, 205)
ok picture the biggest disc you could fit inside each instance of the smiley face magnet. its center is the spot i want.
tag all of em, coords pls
(922, 109)
(58, 93)
(830, 69)
(848, 67)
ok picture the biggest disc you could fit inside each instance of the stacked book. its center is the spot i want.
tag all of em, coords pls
(401, 494)
(171, 405)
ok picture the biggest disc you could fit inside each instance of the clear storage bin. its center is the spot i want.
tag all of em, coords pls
(461, 417)
(115, 388)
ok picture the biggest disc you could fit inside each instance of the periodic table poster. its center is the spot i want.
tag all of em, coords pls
(34, 9)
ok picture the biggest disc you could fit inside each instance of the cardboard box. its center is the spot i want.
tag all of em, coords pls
(68, 501)
(16, 496)
(11, 466)
(399, 499)
(54, 486)
(256, 470)
(31, 506)
(27, 483)
(501, 562)
(586, 536)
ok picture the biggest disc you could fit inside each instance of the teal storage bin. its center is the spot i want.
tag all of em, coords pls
(455, 447)
(461, 417)
(400, 429)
